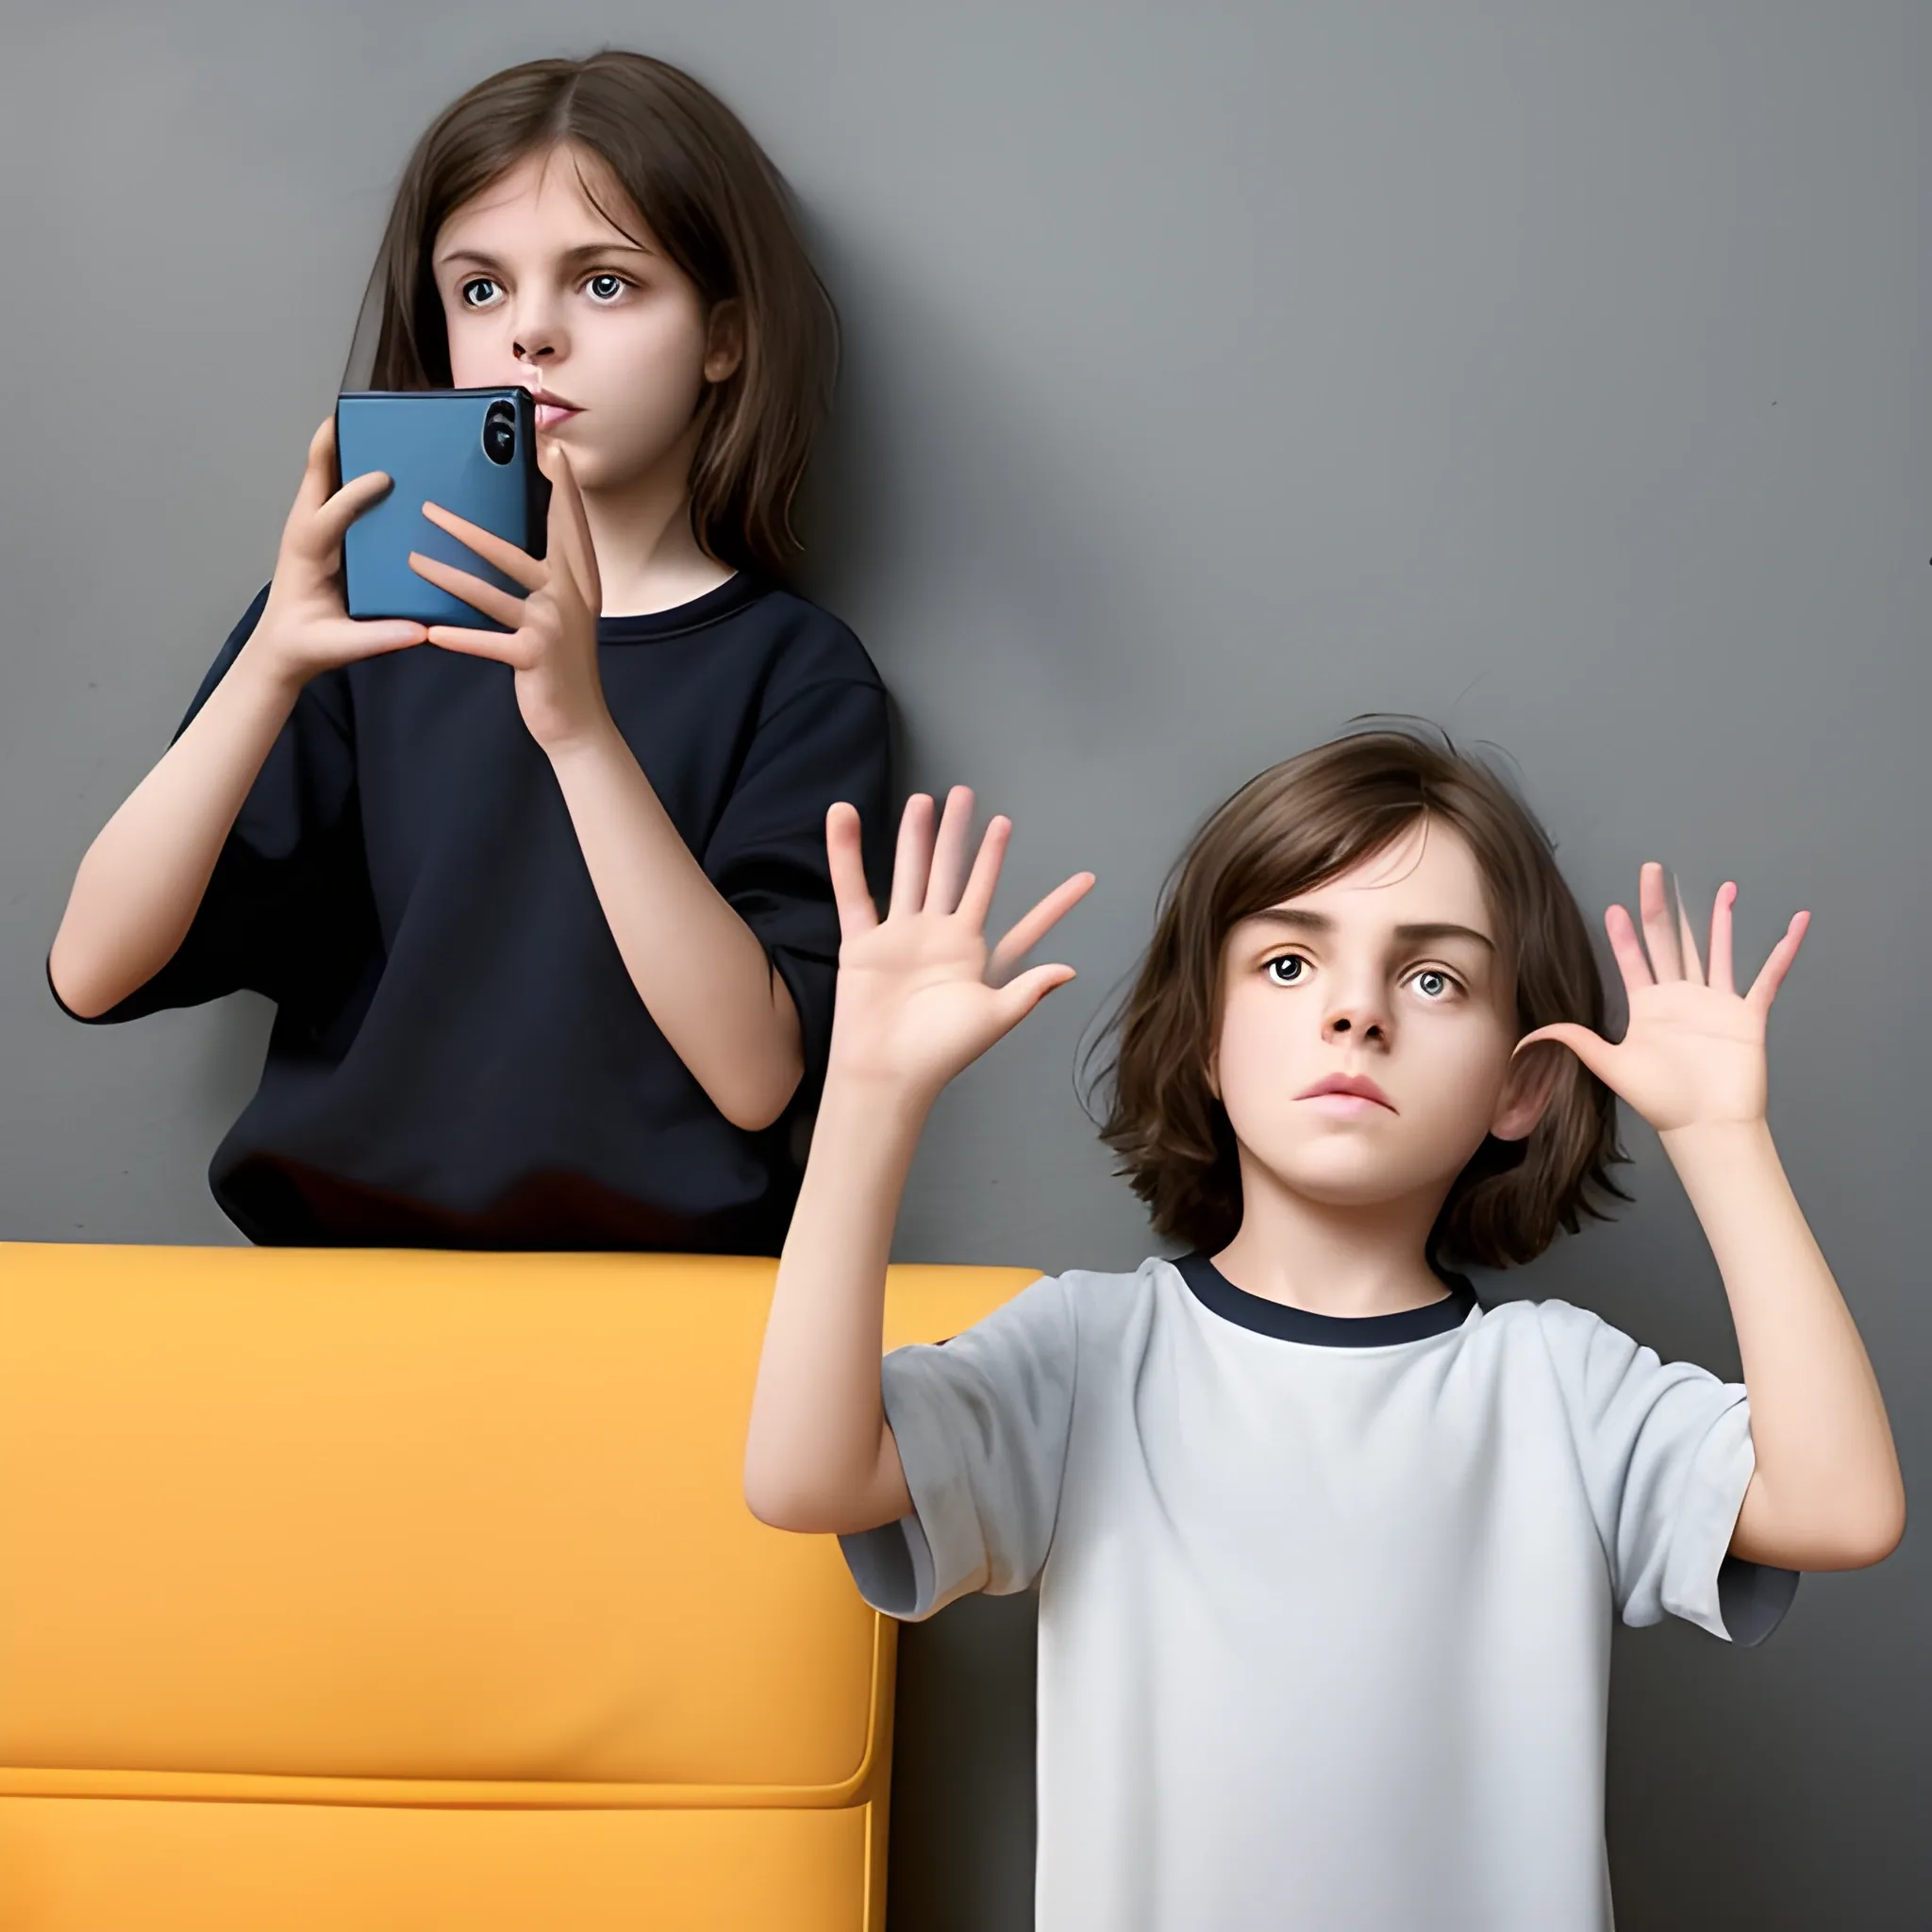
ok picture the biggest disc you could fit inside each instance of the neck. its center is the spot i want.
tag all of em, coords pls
(647, 557)
(1327, 1258)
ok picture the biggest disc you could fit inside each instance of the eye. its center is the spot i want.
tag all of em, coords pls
(606, 287)
(1290, 969)
(478, 292)
(1432, 985)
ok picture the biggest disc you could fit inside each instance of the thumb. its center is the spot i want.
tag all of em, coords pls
(1593, 1049)
(1019, 997)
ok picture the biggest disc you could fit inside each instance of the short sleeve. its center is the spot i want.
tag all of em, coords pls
(823, 745)
(981, 1423)
(285, 913)
(1666, 1457)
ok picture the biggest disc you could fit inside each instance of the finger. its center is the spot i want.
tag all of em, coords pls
(1028, 930)
(321, 528)
(1019, 998)
(1722, 970)
(504, 606)
(976, 900)
(351, 638)
(318, 468)
(912, 857)
(493, 644)
(517, 565)
(1660, 928)
(1627, 949)
(1593, 1049)
(1687, 939)
(948, 878)
(580, 553)
(1771, 975)
(845, 856)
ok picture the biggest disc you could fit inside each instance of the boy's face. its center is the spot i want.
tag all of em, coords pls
(1388, 979)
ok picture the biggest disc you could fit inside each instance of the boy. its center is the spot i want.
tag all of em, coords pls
(1327, 1551)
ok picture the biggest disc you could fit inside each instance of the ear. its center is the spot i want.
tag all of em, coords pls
(1527, 1090)
(725, 341)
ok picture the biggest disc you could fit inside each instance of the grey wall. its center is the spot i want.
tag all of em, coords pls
(1217, 372)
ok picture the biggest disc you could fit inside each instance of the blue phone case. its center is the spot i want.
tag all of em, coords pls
(473, 451)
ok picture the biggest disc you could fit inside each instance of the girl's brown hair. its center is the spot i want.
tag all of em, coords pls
(1291, 830)
(716, 207)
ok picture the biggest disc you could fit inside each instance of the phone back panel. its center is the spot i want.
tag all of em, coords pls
(431, 443)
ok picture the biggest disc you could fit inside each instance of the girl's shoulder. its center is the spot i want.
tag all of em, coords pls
(810, 644)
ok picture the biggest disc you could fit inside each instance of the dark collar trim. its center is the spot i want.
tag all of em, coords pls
(1220, 1296)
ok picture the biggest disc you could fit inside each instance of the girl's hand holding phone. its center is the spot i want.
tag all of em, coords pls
(551, 633)
(305, 626)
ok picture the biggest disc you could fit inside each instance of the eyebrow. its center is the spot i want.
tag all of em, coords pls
(1409, 935)
(589, 251)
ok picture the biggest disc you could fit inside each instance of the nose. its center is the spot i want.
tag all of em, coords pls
(1356, 1019)
(536, 335)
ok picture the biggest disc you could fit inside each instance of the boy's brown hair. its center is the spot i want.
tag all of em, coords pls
(1288, 831)
(718, 209)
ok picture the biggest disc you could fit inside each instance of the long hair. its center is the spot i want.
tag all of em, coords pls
(712, 203)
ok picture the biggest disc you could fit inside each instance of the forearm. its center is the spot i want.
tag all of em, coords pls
(137, 891)
(820, 1456)
(1827, 1493)
(711, 989)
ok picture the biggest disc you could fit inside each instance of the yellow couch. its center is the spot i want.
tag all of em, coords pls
(416, 1590)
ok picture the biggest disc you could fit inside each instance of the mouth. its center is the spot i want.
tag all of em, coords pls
(550, 409)
(1349, 1093)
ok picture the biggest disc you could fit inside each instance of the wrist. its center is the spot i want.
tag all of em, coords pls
(265, 675)
(871, 1100)
(1706, 1149)
(593, 740)
(1726, 1134)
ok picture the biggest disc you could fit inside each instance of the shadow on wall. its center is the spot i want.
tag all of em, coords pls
(949, 506)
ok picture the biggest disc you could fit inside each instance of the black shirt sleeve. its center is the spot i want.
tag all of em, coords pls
(286, 913)
(823, 745)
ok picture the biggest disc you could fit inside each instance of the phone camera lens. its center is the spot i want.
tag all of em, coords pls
(500, 433)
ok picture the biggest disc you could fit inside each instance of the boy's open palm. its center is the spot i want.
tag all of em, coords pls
(919, 994)
(1692, 1054)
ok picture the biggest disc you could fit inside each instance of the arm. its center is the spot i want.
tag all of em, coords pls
(1826, 1492)
(913, 1009)
(141, 881)
(714, 995)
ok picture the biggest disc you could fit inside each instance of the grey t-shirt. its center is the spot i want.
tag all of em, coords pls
(1324, 1605)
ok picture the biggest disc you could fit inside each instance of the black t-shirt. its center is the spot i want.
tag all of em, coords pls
(460, 1057)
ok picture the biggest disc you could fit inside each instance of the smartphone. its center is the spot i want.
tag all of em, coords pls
(473, 451)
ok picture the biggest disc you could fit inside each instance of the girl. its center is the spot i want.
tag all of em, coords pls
(1327, 1550)
(544, 912)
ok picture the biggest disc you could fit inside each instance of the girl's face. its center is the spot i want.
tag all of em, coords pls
(612, 339)
(1388, 979)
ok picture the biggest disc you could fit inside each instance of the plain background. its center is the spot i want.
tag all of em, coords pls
(1216, 374)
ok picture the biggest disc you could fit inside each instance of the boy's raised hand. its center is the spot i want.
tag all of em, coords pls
(1692, 1054)
(920, 995)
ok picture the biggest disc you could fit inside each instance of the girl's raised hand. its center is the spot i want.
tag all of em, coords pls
(920, 996)
(305, 626)
(550, 640)
(1692, 1054)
